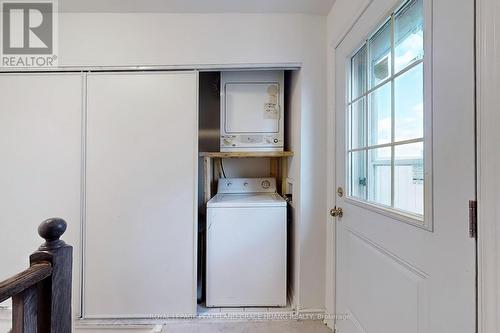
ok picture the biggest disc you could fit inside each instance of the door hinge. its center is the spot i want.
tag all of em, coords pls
(473, 218)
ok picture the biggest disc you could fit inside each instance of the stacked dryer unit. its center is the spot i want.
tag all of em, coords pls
(252, 111)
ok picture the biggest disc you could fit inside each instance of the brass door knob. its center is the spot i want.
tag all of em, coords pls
(336, 212)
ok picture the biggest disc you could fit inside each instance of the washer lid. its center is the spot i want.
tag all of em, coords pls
(247, 200)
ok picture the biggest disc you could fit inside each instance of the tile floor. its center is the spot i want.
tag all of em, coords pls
(206, 324)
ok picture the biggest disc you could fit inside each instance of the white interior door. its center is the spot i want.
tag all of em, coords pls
(404, 113)
(141, 189)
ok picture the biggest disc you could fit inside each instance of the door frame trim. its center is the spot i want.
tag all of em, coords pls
(488, 163)
(330, 278)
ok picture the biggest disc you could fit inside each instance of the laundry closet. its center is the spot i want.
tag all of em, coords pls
(245, 224)
(132, 159)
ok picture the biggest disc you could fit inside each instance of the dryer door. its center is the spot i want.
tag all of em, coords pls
(252, 108)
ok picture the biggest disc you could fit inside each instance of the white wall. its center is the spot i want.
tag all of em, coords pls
(311, 222)
(179, 39)
(130, 39)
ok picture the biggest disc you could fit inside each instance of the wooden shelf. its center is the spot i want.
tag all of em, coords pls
(272, 154)
(278, 167)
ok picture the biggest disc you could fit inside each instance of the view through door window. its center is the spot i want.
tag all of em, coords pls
(385, 108)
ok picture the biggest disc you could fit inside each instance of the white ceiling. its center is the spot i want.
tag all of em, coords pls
(321, 7)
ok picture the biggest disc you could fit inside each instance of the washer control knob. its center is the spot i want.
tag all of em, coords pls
(265, 184)
(229, 184)
(275, 140)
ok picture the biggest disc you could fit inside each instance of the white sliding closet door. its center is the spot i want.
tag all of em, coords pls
(40, 168)
(141, 182)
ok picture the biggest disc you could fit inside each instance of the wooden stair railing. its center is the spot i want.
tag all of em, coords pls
(41, 295)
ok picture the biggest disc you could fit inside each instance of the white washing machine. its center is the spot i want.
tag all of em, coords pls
(246, 244)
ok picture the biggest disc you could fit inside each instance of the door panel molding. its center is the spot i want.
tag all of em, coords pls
(355, 321)
(389, 254)
(395, 278)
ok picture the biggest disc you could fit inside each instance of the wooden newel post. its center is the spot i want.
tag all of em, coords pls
(54, 293)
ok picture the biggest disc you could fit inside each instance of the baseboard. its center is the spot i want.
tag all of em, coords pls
(118, 329)
(312, 311)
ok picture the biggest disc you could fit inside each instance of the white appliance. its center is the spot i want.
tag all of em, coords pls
(252, 105)
(246, 244)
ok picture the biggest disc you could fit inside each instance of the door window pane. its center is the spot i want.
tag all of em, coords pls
(357, 124)
(380, 55)
(379, 175)
(358, 174)
(409, 34)
(409, 105)
(385, 125)
(409, 177)
(358, 70)
(380, 124)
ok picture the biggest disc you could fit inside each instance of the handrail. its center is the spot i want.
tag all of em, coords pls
(27, 278)
(41, 294)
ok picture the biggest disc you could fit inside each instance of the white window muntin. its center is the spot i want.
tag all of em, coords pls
(425, 219)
